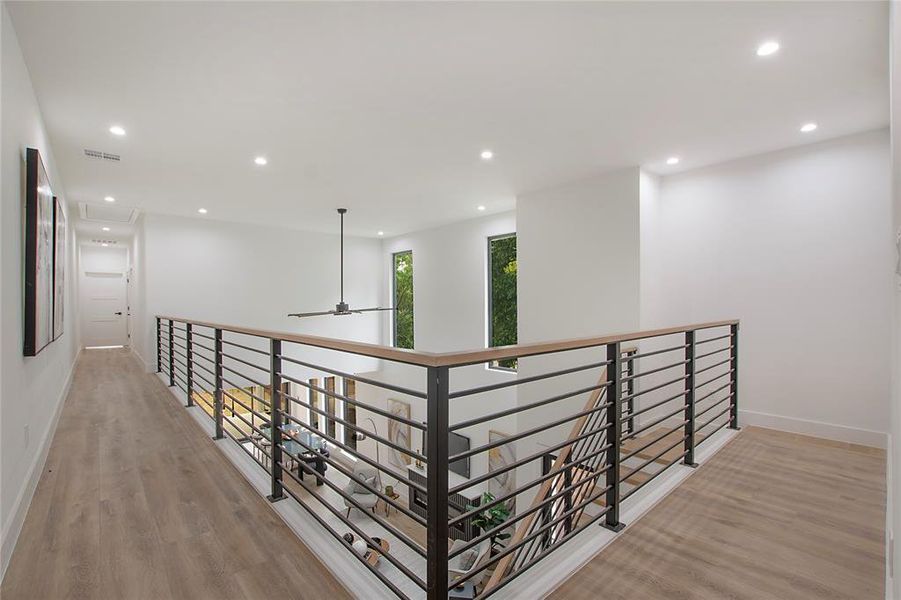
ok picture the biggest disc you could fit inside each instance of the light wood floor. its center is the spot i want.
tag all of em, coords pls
(771, 516)
(137, 502)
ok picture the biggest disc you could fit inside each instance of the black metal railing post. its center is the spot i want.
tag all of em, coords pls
(159, 346)
(690, 399)
(568, 499)
(733, 388)
(436, 484)
(171, 355)
(217, 400)
(614, 433)
(275, 419)
(189, 367)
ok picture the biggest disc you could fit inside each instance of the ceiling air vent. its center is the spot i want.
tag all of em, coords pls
(98, 155)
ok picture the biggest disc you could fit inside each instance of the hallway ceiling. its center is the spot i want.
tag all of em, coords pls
(385, 108)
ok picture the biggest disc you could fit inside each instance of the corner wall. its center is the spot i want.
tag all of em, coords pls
(795, 243)
(32, 389)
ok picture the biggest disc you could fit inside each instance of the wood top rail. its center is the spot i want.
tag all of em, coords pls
(452, 359)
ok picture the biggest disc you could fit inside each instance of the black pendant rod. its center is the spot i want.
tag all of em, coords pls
(341, 212)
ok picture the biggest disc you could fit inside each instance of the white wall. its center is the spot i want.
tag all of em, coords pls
(796, 244)
(253, 276)
(31, 389)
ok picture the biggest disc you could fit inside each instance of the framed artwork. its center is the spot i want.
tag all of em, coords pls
(59, 268)
(498, 458)
(39, 238)
(398, 433)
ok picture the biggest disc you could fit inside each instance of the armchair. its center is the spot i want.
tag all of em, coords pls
(360, 494)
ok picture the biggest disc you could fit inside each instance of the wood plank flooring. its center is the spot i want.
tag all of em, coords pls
(136, 502)
(772, 516)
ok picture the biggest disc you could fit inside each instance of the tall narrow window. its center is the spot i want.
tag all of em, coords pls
(331, 406)
(314, 402)
(502, 296)
(403, 299)
(350, 413)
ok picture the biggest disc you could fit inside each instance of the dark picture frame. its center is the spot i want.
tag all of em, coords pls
(39, 239)
(59, 268)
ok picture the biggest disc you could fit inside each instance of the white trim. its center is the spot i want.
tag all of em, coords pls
(141, 360)
(829, 431)
(13, 527)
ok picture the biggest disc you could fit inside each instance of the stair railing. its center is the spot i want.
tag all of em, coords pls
(587, 424)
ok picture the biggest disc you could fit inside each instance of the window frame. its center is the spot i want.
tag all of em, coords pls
(394, 256)
(489, 304)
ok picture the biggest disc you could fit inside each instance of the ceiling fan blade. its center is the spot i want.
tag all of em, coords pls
(362, 310)
(312, 314)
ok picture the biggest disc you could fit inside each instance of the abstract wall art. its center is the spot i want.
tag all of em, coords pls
(398, 433)
(498, 458)
(39, 237)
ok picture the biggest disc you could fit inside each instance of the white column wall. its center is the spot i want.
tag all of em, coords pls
(579, 249)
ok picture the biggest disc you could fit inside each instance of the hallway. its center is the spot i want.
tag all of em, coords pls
(136, 502)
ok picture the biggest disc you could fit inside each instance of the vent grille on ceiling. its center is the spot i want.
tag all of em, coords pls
(98, 155)
(96, 241)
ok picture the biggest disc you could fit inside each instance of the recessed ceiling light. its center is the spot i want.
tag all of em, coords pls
(480, 207)
(672, 160)
(381, 233)
(768, 48)
(105, 228)
(109, 199)
(487, 155)
(201, 211)
(104, 244)
(117, 130)
(260, 160)
(808, 127)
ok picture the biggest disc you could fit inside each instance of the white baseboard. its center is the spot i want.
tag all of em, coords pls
(13, 527)
(141, 361)
(829, 431)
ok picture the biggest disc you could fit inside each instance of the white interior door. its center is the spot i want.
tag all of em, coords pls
(104, 296)
(105, 309)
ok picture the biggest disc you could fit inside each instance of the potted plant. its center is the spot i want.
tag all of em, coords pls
(491, 517)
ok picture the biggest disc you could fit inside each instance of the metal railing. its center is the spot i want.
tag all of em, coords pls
(552, 450)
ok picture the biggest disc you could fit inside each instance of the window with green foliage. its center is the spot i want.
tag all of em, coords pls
(502, 295)
(403, 299)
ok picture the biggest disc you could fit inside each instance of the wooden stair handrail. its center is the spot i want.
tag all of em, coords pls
(451, 359)
(523, 527)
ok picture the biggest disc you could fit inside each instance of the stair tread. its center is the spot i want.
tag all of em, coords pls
(659, 446)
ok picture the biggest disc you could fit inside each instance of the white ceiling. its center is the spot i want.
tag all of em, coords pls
(385, 107)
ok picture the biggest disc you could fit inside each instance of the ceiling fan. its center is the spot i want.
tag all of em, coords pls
(342, 308)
